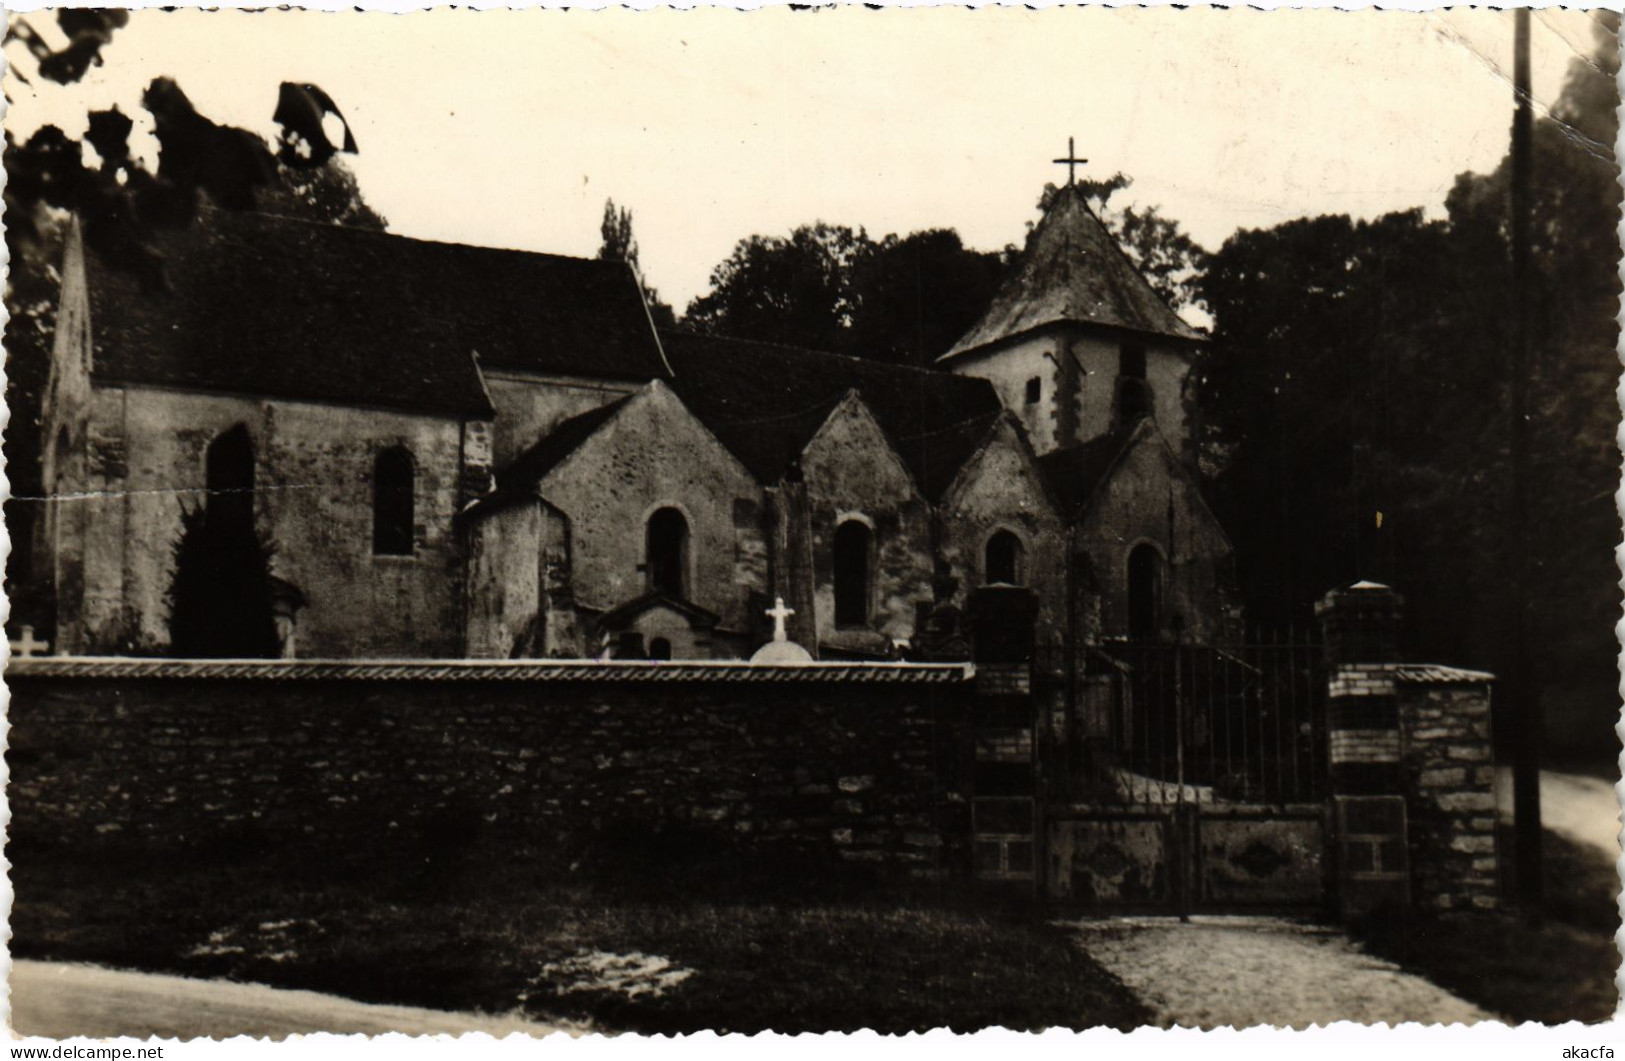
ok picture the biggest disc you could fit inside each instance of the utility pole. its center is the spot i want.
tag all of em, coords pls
(1527, 725)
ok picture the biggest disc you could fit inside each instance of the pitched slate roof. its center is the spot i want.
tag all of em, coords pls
(1074, 472)
(1072, 271)
(765, 402)
(938, 457)
(285, 308)
(531, 466)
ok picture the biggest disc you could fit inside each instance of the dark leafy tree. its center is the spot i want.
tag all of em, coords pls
(220, 599)
(327, 193)
(1356, 397)
(620, 245)
(903, 299)
(122, 205)
(913, 296)
(795, 290)
(88, 32)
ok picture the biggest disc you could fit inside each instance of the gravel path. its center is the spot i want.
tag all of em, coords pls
(57, 1000)
(1245, 971)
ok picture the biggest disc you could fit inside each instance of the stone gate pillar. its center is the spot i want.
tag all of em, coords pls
(1410, 754)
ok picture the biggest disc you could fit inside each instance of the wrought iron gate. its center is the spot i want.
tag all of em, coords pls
(1195, 779)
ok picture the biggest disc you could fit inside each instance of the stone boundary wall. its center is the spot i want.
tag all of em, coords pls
(1421, 731)
(1449, 786)
(854, 763)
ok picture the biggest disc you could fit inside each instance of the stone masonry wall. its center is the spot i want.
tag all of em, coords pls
(1449, 787)
(851, 771)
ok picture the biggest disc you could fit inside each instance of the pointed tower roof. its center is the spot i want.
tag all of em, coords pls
(1073, 272)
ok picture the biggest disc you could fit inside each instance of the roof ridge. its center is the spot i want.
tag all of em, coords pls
(374, 233)
(813, 351)
(992, 414)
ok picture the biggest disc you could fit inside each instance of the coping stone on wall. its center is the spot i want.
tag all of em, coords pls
(518, 670)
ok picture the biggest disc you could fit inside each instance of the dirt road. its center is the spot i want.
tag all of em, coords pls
(1224, 971)
(1582, 809)
(58, 1000)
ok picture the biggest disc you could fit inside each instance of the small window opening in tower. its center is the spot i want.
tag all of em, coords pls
(1133, 392)
(1035, 390)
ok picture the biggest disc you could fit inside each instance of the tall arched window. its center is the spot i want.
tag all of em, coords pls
(1144, 593)
(394, 489)
(229, 477)
(1003, 559)
(666, 553)
(852, 546)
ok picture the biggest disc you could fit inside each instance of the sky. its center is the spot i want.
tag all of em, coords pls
(511, 128)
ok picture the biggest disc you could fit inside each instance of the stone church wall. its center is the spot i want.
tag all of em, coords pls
(1146, 500)
(1093, 386)
(852, 472)
(1001, 489)
(1009, 368)
(313, 475)
(853, 771)
(652, 455)
(505, 582)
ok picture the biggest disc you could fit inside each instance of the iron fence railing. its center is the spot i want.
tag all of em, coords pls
(1158, 723)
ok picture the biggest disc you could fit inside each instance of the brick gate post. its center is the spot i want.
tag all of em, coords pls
(1006, 814)
(1370, 857)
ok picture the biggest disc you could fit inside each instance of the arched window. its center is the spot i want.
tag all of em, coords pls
(1003, 560)
(659, 648)
(666, 553)
(1144, 593)
(852, 546)
(394, 488)
(229, 478)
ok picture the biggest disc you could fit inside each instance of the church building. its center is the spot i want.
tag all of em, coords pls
(454, 451)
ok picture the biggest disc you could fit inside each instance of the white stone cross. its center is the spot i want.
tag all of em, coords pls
(26, 647)
(778, 612)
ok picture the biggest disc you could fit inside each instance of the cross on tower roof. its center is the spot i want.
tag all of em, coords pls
(1071, 162)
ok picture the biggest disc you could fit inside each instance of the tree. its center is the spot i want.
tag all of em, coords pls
(1360, 369)
(794, 290)
(327, 193)
(122, 205)
(220, 597)
(915, 295)
(620, 245)
(903, 299)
